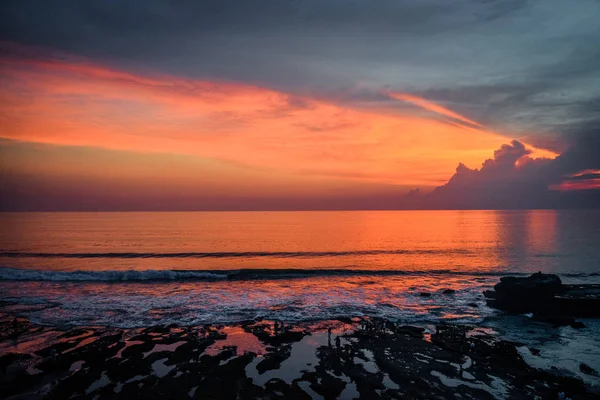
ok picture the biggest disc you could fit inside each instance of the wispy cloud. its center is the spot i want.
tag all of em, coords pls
(433, 107)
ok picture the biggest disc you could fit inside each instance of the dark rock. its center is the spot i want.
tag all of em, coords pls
(9, 358)
(586, 369)
(577, 325)
(533, 293)
(450, 337)
(223, 375)
(474, 305)
(535, 352)
(545, 293)
(274, 358)
(413, 331)
(579, 300)
(556, 320)
(449, 291)
(261, 331)
(425, 294)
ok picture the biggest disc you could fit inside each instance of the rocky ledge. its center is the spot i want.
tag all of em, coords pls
(347, 358)
(545, 295)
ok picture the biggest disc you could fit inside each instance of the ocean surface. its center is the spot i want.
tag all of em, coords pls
(140, 269)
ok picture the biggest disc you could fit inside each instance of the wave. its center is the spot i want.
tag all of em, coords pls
(14, 274)
(227, 254)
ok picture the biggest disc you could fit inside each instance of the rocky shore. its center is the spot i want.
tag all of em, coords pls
(349, 358)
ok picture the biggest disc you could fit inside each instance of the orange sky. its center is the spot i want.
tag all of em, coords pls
(231, 137)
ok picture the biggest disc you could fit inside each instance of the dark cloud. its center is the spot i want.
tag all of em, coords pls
(584, 154)
(326, 47)
(583, 177)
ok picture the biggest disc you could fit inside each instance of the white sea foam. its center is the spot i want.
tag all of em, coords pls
(14, 274)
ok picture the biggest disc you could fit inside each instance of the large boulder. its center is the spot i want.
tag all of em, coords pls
(534, 293)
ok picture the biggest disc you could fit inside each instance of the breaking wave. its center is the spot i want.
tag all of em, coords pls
(17, 274)
(13, 274)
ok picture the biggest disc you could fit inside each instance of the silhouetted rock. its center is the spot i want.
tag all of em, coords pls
(556, 320)
(533, 293)
(535, 352)
(544, 294)
(413, 331)
(577, 325)
(425, 294)
(578, 300)
(190, 362)
(586, 369)
(473, 305)
(449, 291)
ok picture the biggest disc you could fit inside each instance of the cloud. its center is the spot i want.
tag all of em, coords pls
(433, 107)
(512, 179)
(71, 101)
(526, 68)
(584, 180)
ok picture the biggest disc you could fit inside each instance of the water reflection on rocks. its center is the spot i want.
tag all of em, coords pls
(350, 358)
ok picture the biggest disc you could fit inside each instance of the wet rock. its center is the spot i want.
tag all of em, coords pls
(263, 333)
(280, 389)
(413, 331)
(17, 382)
(579, 300)
(535, 352)
(474, 305)
(13, 380)
(7, 359)
(425, 294)
(324, 384)
(450, 337)
(449, 291)
(555, 320)
(577, 325)
(533, 293)
(544, 293)
(586, 369)
(390, 363)
(274, 358)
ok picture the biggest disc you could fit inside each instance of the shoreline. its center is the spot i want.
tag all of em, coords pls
(374, 358)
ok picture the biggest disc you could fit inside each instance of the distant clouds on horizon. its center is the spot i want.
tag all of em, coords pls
(276, 104)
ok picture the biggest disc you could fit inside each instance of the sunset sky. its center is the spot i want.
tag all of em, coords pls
(296, 104)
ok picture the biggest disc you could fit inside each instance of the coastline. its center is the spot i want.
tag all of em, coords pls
(374, 358)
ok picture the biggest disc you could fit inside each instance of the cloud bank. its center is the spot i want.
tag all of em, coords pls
(512, 179)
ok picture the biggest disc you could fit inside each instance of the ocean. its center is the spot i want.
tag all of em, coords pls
(138, 269)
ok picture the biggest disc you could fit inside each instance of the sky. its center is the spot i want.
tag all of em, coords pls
(299, 104)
